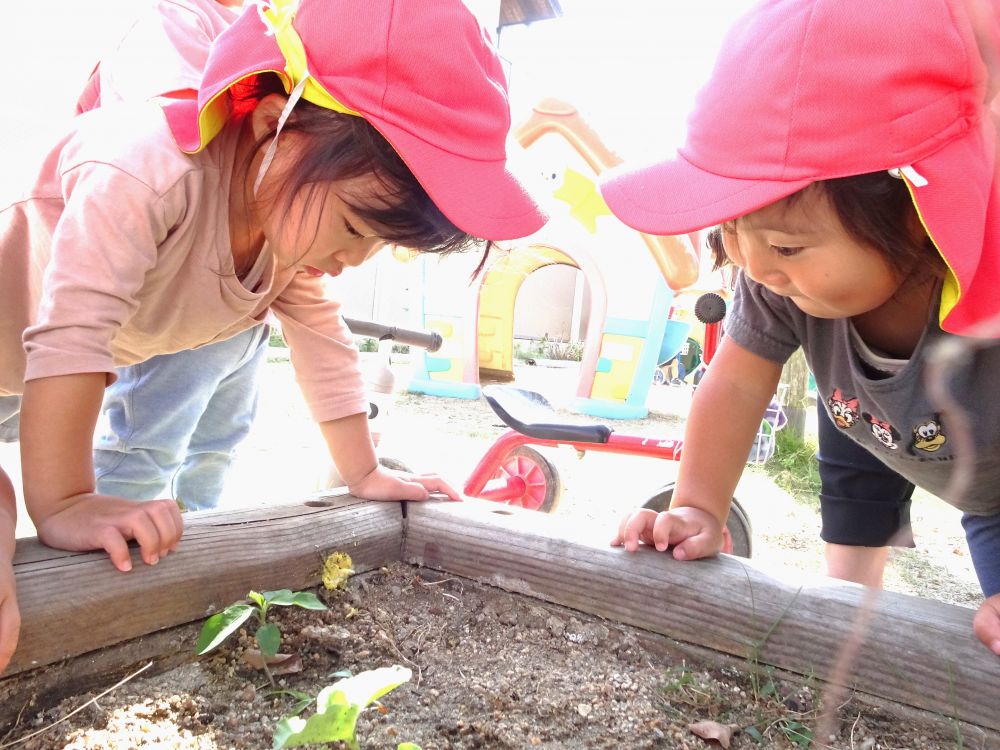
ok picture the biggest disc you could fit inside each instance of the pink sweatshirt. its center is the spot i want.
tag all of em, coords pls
(172, 40)
(120, 251)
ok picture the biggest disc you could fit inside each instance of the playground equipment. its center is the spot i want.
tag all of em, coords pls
(514, 473)
(631, 279)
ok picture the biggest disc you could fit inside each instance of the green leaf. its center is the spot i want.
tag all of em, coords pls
(407, 746)
(268, 638)
(307, 600)
(367, 687)
(755, 734)
(257, 599)
(219, 626)
(302, 700)
(337, 709)
(798, 733)
(285, 731)
(284, 597)
(336, 724)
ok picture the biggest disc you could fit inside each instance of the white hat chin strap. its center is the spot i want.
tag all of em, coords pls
(916, 179)
(293, 97)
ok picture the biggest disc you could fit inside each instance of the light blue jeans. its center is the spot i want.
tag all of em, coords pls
(174, 421)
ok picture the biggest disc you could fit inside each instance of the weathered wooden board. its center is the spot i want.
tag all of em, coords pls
(73, 603)
(914, 651)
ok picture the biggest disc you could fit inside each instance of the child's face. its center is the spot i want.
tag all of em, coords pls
(321, 234)
(800, 250)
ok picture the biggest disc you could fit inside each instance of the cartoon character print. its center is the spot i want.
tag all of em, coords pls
(884, 432)
(844, 410)
(928, 436)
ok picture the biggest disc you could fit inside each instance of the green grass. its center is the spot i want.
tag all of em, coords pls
(793, 468)
(276, 338)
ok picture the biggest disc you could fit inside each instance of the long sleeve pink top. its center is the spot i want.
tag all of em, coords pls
(172, 40)
(120, 251)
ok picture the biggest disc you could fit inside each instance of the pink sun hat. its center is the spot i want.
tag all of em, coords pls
(808, 90)
(422, 72)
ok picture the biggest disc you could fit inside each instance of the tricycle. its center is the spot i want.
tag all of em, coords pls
(513, 472)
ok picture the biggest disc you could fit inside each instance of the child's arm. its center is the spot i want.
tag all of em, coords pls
(10, 617)
(353, 452)
(326, 366)
(58, 415)
(725, 416)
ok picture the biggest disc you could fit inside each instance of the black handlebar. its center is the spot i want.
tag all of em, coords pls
(429, 340)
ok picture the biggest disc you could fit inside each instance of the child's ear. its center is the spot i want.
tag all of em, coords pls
(264, 118)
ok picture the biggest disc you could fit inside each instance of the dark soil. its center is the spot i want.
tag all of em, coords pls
(490, 670)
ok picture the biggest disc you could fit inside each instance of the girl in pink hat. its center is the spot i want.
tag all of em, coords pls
(323, 129)
(854, 185)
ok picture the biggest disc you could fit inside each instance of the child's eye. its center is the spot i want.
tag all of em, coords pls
(786, 251)
(351, 230)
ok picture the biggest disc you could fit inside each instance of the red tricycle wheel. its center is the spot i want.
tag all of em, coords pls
(542, 487)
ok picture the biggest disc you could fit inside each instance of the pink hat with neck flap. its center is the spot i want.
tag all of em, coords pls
(808, 90)
(422, 72)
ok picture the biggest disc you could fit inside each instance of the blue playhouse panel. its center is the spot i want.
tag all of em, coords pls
(674, 337)
(594, 407)
(653, 331)
(444, 388)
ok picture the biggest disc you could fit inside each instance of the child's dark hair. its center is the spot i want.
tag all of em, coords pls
(876, 210)
(337, 146)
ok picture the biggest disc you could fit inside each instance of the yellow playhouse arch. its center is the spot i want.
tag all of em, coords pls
(498, 294)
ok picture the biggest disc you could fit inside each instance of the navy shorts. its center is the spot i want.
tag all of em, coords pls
(863, 503)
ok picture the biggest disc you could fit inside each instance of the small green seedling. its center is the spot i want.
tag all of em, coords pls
(337, 709)
(221, 625)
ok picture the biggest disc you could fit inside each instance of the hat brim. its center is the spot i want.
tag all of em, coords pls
(676, 197)
(960, 209)
(182, 118)
(195, 123)
(482, 198)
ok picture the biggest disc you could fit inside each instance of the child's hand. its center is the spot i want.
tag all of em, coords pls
(986, 623)
(92, 521)
(695, 532)
(386, 484)
(10, 616)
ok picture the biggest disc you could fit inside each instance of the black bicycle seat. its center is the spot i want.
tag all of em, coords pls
(531, 414)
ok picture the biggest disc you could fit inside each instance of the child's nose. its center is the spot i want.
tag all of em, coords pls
(361, 251)
(759, 266)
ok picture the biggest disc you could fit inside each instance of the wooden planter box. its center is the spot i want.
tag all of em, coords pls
(74, 606)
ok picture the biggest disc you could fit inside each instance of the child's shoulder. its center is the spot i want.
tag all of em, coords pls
(132, 137)
(211, 15)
